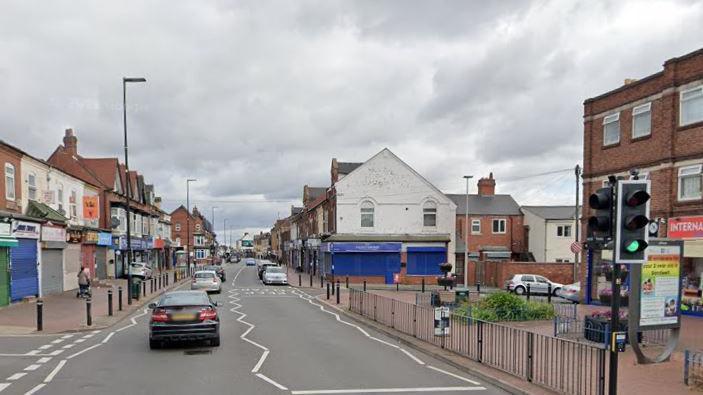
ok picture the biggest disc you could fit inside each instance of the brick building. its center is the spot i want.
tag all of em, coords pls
(201, 238)
(654, 124)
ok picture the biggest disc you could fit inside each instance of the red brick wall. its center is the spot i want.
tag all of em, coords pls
(8, 155)
(513, 239)
(496, 273)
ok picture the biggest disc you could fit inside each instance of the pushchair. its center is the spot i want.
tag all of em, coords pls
(84, 291)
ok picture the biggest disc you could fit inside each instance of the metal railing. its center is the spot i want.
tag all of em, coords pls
(693, 368)
(559, 364)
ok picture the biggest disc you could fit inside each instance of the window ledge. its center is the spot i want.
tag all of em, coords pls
(689, 200)
(689, 126)
(641, 138)
(609, 146)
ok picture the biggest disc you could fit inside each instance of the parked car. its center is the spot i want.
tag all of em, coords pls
(537, 283)
(184, 316)
(217, 269)
(570, 292)
(206, 280)
(140, 269)
(262, 266)
(274, 275)
(250, 261)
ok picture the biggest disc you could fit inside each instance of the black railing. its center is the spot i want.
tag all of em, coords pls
(559, 364)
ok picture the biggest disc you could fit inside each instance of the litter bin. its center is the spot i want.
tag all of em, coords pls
(435, 300)
(136, 287)
(461, 295)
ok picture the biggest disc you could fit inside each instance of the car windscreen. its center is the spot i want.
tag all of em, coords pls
(274, 269)
(204, 275)
(185, 299)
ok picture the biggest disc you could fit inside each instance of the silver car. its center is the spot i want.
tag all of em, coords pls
(275, 275)
(537, 283)
(570, 292)
(206, 280)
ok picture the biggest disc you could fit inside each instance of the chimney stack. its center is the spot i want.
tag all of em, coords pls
(70, 142)
(487, 186)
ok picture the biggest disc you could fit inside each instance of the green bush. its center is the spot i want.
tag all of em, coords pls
(503, 306)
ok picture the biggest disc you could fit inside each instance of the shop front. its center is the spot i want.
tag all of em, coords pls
(53, 243)
(7, 241)
(140, 253)
(24, 260)
(102, 254)
(690, 230)
(88, 251)
(72, 258)
(375, 262)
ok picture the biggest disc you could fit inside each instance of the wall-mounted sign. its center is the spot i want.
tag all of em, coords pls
(27, 230)
(48, 197)
(91, 208)
(104, 239)
(90, 237)
(74, 236)
(366, 247)
(660, 286)
(53, 233)
(685, 227)
(5, 229)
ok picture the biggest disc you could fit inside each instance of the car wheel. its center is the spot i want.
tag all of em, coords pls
(154, 344)
(519, 290)
(215, 342)
(555, 291)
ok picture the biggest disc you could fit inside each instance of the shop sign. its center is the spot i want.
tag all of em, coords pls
(685, 227)
(149, 243)
(136, 243)
(313, 242)
(91, 209)
(366, 247)
(52, 233)
(5, 229)
(49, 198)
(104, 239)
(27, 230)
(159, 243)
(90, 237)
(74, 236)
(660, 286)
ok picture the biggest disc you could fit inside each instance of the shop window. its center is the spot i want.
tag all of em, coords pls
(611, 129)
(9, 182)
(690, 182)
(367, 214)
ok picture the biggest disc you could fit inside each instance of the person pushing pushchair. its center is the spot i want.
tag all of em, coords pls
(83, 284)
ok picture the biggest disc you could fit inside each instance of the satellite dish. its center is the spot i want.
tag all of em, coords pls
(114, 222)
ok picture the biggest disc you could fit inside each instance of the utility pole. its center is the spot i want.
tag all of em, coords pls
(466, 235)
(188, 181)
(577, 221)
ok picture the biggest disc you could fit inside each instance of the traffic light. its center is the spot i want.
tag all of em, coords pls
(632, 221)
(600, 225)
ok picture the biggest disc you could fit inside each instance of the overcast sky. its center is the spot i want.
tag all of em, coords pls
(255, 98)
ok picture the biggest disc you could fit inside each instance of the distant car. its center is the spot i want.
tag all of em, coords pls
(217, 269)
(262, 266)
(570, 292)
(274, 275)
(184, 316)
(140, 269)
(250, 262)
(206, 280)
(538, 284)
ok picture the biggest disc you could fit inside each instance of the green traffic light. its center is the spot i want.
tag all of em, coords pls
(633, 246)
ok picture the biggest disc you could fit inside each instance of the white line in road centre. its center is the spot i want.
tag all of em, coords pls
(387, 390)
(268, 380)
(107, 338)
(3, 386)
(54, 372)
(16, 376)
(35, 389)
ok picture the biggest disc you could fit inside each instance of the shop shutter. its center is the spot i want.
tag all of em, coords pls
(366, 263)
(51, 272)
(425, 260)
(23, 259)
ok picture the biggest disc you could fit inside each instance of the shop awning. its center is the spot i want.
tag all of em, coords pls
(8, 242)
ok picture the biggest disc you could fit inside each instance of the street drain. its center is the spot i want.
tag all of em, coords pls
(197, 352)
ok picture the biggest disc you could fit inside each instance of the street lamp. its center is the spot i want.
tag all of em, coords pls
(213, 231)
(126, 80)
(466, 234)
(188, 181)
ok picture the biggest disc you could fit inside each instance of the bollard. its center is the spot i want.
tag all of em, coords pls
(337, 291)
(528, 291)
(549, 293)
(310, 280)
(397, 287)
(364, 285)
(332, 287)
(159, 282)
(346, 282)
(300, 280)
(89, 317)
(478, 287)
(328, 291)
(423, 285)
(166, 278)
(151, 285)
(175, 277)
(40, 315)
(144, 288)
(109, 302)
(322, 281)
(119, 298)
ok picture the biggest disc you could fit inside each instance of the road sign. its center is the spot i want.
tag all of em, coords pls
(576, 247)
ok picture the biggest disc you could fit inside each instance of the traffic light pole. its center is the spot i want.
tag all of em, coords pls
(614, 325)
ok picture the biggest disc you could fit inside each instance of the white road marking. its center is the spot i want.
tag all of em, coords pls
(268, 380)
(4, 385)
(387, 390)
(33, 352)
(414, 358)
(44, 347)
(79, 341)
(66, 336)
(134, 320)
(67, 346)
(16, 376)
(453, 375)
(32, 367)
(35, 389)
(44, 360)
(57, 341)
(107, 338)
(84, 350)
(55, 353)
(21, 355)
(55, 371)
(88, 336)
(261, 361)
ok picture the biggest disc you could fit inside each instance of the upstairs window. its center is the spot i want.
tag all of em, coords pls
(367, 214)
(429, 214)
(72, 202)
(476, 226)
(498, 226)
(611, 129)
(564, 231)
(691, 106)
(9, 182)
(642, 121)
(690, 182)
(32, 186)
(59, 198)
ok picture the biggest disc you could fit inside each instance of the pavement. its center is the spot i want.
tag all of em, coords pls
(275, 339)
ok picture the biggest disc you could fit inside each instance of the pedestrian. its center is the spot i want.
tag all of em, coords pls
(83, 281)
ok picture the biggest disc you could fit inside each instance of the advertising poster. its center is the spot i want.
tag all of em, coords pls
(660, 287)
(90, 207)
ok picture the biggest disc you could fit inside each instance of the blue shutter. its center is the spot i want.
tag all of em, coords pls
(25, 280)
(366, 263)
(425, 260)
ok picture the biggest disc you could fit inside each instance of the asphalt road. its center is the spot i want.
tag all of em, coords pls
(275, 340)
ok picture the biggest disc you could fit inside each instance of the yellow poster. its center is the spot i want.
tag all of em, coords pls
(660, 293)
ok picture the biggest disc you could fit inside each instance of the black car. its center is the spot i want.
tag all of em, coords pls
(184, 316)
(217, 269)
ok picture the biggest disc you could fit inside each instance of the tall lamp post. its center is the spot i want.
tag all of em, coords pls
(126, 80)
(188, 181)
(466, 235)
(213, 232)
